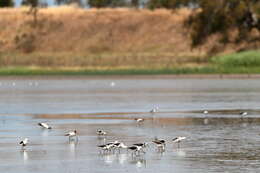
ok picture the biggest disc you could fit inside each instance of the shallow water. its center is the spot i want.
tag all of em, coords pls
(221, 141)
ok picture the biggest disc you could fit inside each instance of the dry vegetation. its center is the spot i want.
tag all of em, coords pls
(74, 37)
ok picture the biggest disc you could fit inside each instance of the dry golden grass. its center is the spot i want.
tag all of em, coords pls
(71, 36)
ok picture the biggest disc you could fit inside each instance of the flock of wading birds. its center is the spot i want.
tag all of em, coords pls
(137, 148)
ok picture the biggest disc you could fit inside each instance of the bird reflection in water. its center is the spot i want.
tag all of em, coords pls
(109, 158)
(72, 147)
(24, 155)
(122, 158)
(138, 161)
(180, 152)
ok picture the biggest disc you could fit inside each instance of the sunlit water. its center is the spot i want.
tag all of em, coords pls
(220, 141)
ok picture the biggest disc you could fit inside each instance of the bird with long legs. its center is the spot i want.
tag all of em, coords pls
(72, 134)
(161, 144)
(178, 140)
(44, 125)
(136, 150)
(24, 142)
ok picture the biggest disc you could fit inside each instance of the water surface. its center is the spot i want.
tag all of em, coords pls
(221, 141)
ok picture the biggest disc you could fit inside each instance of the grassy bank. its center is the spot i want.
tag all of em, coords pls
(237, 63)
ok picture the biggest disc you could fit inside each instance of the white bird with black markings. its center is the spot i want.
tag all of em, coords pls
(161, 144)
(106, 147)
(136, 149)
(178, 140)
(72, 134)
(44, 125)
(145, 144)
(243, 113)
(101, 132)
(139, 120)
(119, 145)
(24, 142)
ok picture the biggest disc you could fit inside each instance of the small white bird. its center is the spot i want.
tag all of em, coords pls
(243, 113)
(178, 140)
(24, 142)
(156, 109)
(72, 134)
(44, 125)
(101, 132)
(139, 120)
(205, 112)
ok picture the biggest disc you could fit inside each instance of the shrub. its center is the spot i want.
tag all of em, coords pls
(241, 59)
(106, 3)
(6, 3)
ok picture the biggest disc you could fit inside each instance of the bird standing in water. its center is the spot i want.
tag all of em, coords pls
(24, 142)
(44, 125)
(178, 140)
(72, 134)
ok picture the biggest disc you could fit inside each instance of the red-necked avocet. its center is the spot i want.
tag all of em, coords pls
(145, 144)
(72, 134)
(178, 140)
(106, 147)
(101, 132)
(136, 149)
(160, 143)
(243, 113)
(111, 146)
(24, 142)
(139, 120)
(44, 125)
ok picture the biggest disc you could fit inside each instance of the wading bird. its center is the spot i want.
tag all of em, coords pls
(139, 120)
(161, 144)
(44, 125)
(136, 149)
(243, 113)
(24, 142)
(178, 140)
(101, 132)
(72, 134)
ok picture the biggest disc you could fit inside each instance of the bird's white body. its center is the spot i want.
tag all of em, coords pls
(178, 139)
(72, 134)
(243, 113)
(139, 120)
(205, 112)
(122, 145)
(44, 125)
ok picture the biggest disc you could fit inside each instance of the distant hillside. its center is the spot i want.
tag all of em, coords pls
(68, 36)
